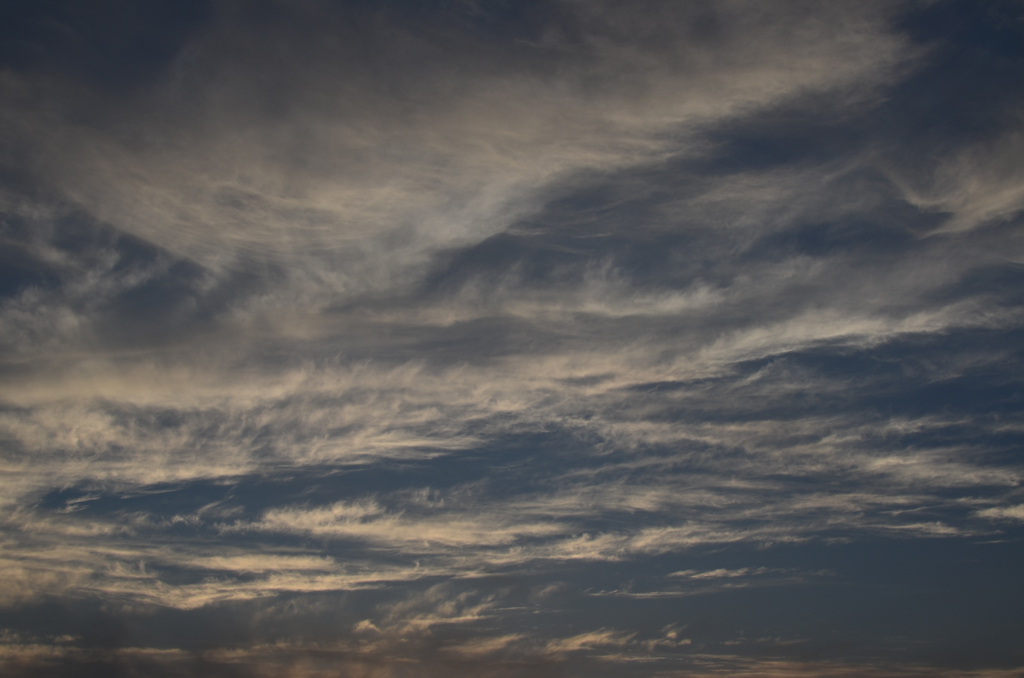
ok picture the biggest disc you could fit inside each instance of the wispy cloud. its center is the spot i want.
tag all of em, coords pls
(493, 320)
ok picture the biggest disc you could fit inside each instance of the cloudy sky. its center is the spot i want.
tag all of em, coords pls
(506, 338)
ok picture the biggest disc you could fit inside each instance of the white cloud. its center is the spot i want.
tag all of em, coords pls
(590, 640)
(382, 170)
(674, 410)
(976, 186)
(1003, 512)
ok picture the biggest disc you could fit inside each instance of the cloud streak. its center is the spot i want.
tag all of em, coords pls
(498, 339)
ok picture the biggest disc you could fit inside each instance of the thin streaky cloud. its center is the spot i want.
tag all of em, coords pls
(554, 338)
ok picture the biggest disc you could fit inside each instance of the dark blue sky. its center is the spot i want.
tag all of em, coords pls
(472, 338)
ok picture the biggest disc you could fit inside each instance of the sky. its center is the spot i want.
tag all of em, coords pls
(494, 338)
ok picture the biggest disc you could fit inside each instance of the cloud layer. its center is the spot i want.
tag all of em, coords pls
(470, 337)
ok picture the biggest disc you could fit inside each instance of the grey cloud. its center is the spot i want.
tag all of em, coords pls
(429, 313)
(353, 163)
(977, 186)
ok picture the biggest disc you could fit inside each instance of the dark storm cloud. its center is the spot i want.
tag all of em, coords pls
(392, 338)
